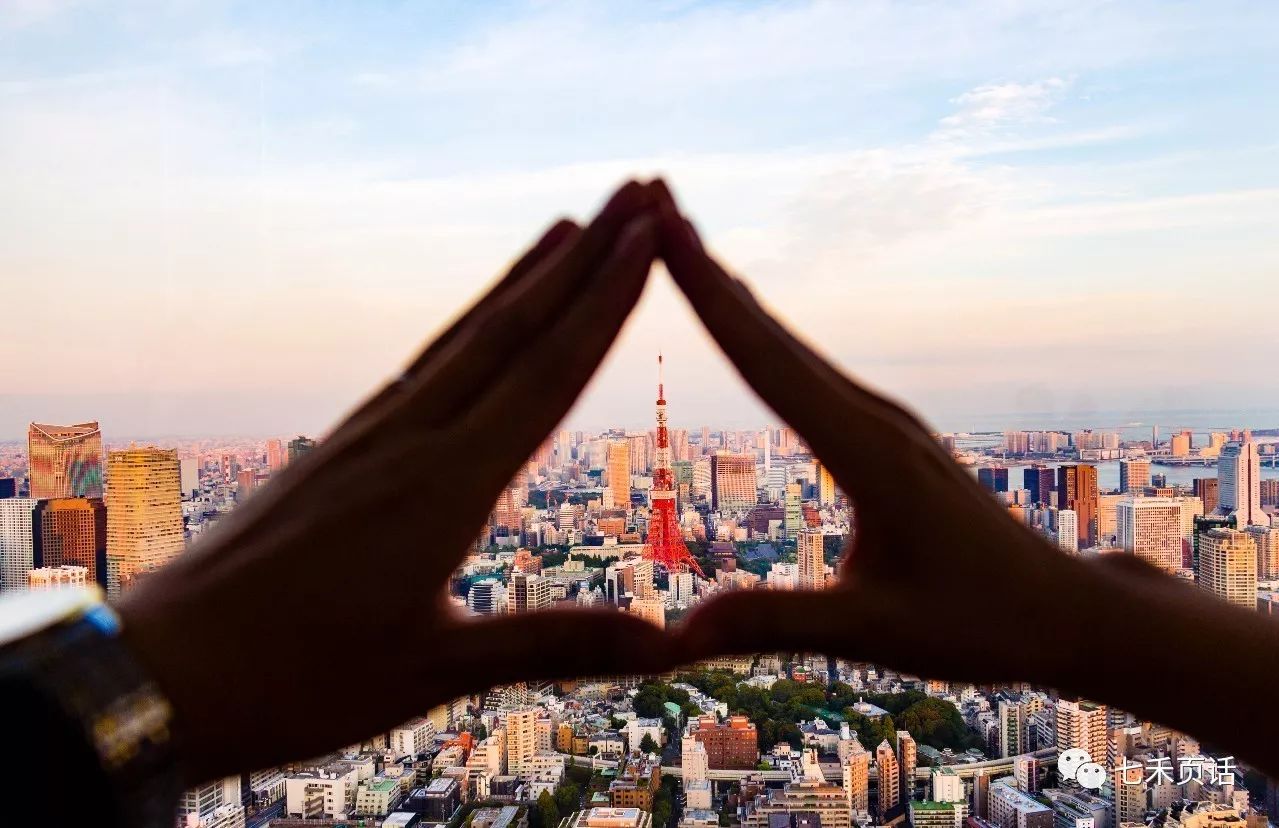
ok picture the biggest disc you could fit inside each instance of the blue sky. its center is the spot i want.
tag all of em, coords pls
(244, 215)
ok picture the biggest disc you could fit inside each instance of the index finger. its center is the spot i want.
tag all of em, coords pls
(846, 425)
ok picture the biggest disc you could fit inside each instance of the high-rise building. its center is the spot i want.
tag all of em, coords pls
(299, 446)
(1239, 484)
(72, 531)
(1134, 475)
(732, 745)
(8, 487)
(528, 593)
(189, 473)
(1040, 482)
(993, 478)
(17, 542)
(487, 596)
(1206, 488)
(65, 461)
(1267, 541)
(1269, 492)
(1077, 491)
(1012, 727)
(619, 475)
(275, 455)
(856, 770)
(825, 484)
(1150, 528)
(144, 513)
(906, 761)
(889, 788)
(811, 560)
(1081, 724)
(1067, 530)
(1228, 566)
(792, 512)
(732, 481)
(1179, 445)
(521, 738)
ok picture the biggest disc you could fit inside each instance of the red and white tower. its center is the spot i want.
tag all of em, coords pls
(665, 542)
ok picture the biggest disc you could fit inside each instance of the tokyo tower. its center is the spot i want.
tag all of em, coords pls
(665, 542)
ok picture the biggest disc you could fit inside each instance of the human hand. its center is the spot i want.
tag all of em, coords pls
(316, 614)
(930, 544)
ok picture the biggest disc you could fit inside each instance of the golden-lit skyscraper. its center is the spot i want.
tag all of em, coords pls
(65, 461)
(619, 474)
(732, 481)
(825, 486)
(889, 787)
(1077, 491)
(812, 562)
(1228, 566)
(144, 512)
(72, 531)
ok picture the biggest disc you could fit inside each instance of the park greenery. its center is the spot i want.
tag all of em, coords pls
(778, 710)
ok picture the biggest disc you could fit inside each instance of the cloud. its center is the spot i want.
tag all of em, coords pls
(991, 107)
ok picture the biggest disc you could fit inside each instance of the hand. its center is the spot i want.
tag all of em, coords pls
(316, 614)
(938, 580)
(928, 542)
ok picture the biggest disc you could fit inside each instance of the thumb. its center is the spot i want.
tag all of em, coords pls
(767, 620)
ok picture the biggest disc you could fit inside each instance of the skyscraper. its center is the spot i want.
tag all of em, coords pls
(1039, 481)
(299, 446)
(1077, 491)
(826, 484)
(17, 544)
(906, 761)
(793, 512)
(1239, 484)
(144, 507)
(1228, 566)
(528, 593)
(72, 532)
(65, 461)
(274, 454)
(1206, 488)
(857, 778)
(1134, 475)
(1067, 530)
(618, 490)
(889, 789)
(732, 481)
(993, 478)
(1150, 528)
(1081, 724)
(812, 562)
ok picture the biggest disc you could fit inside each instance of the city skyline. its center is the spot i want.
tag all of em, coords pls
(980, 206)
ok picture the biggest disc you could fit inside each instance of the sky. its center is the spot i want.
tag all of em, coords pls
(239, 218)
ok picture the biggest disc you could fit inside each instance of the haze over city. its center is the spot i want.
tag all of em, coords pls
(246, 220)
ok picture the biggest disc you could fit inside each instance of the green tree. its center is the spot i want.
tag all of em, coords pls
(547, 811)
(647, 744)
(567, 798)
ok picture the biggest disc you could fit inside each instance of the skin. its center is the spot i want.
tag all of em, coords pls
(315, 615)
(939, 581)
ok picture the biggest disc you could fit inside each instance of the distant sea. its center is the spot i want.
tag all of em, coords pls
(1131, 426)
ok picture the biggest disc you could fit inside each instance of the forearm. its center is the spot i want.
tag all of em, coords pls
(1151, 642)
